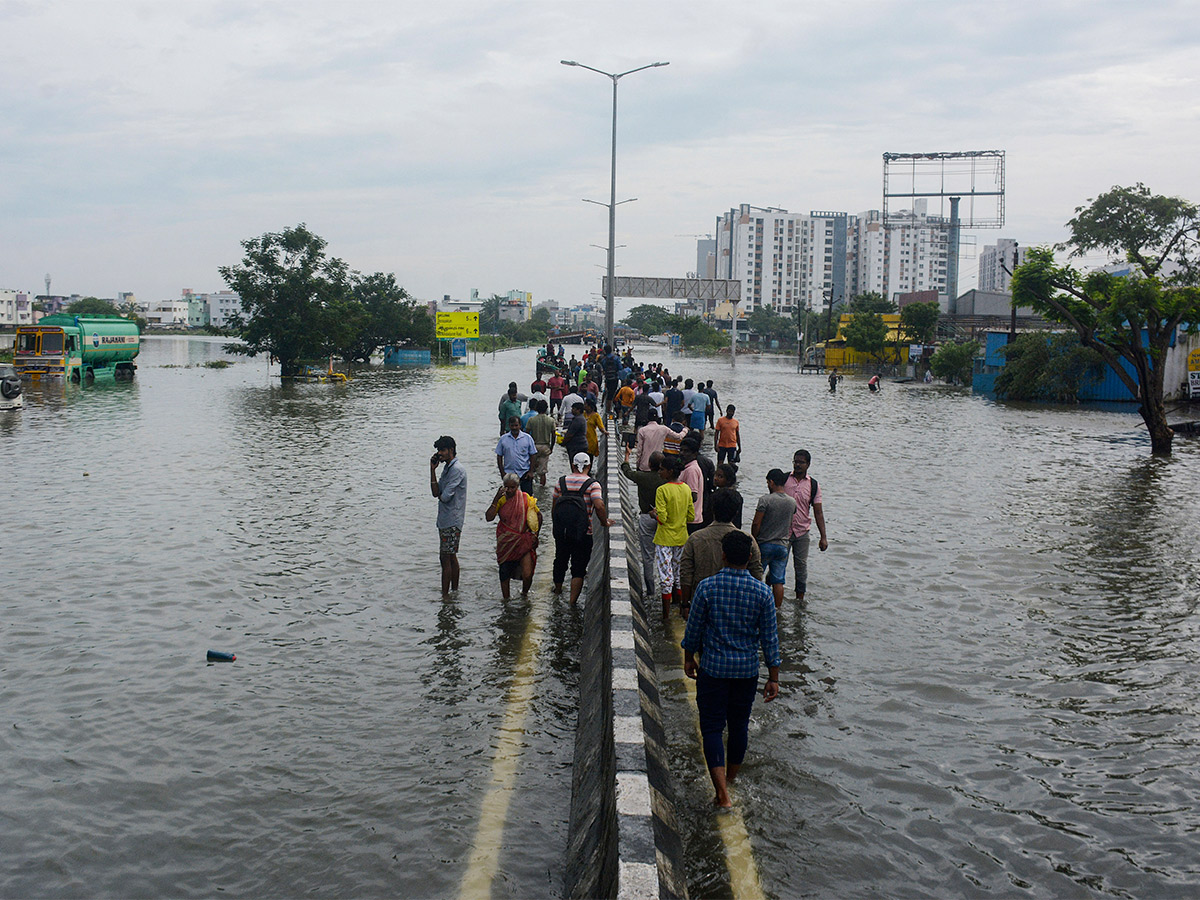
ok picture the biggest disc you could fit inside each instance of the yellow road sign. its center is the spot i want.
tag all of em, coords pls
(457, 325)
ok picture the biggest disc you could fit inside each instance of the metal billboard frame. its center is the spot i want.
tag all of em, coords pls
(954, 174)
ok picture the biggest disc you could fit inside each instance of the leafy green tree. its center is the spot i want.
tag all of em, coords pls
(871, 302)
(771, 326)
(130, 310)
(1048, 367)
(293, 298)
(954, 362)
(866, 332)
(489, 315)
(92, 306)
(696, 334)
(649, 319)
(376, 313)
(919, 321)
(1129, 318)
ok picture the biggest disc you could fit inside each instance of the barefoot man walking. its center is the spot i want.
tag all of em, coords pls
(732, 616)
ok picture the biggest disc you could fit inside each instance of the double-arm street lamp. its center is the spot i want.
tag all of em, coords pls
(612, 203)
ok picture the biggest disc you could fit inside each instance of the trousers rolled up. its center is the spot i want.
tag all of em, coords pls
(800, 561)
(647, 525)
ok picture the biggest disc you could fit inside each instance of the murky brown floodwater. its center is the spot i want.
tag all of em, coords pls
(992, 691)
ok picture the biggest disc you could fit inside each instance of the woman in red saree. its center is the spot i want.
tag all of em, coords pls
(516, 542)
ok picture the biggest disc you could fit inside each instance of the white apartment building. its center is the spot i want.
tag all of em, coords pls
(213, 308)
(16, 308)
(165, 312)
(787, 260)
(996, 262)
(915, 253)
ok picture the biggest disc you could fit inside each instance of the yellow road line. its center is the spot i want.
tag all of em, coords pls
(485, 852)
(739, 855)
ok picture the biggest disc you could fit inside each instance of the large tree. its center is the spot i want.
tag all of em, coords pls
(866, 332)
(1047, 367)
(871, 302)
(379, 312)
(648, 319)
(919, 321)
(771, 326)
(1125, 318)
(92, 306)
(294, 298)
(954, 362)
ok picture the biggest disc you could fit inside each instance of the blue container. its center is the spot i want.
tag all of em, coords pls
(219, 656)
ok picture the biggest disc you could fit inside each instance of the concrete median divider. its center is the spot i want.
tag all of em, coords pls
(624, 838)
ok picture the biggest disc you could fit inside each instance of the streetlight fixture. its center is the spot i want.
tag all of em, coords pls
(612, 203)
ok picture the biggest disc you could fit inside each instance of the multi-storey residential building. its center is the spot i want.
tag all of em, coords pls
(995, 264)
(788, 260)
(15, 308)
(915, 252)
(214, 308)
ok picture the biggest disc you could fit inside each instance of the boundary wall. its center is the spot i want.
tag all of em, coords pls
(624, 838)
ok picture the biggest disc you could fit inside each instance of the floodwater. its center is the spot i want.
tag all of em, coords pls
(991, 692)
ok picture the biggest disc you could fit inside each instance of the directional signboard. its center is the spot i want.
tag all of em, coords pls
(458, 348)
(457, 325)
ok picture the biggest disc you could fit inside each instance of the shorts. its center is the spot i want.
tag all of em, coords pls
(541, 459)
(510, 569)
(448, 540)
(574, 555)
(774, 560)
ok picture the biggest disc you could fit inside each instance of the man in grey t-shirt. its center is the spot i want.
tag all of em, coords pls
(772, 528)
(451, 493)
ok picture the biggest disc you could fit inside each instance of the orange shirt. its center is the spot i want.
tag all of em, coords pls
(727, 432)
(625, 396)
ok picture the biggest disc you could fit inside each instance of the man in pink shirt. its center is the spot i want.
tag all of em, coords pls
(650, 439)
(808, 494)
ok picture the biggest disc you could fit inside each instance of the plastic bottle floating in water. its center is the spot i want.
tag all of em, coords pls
(219, 656)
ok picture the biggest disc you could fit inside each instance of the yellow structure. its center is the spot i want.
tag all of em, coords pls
(895, 348)
(457, 325)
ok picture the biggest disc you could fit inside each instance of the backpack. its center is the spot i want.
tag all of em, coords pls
(812, 493)
(570, 512)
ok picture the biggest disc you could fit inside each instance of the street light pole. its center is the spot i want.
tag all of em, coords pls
(612, 203)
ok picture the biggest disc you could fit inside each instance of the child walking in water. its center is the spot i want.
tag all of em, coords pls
(673, 509)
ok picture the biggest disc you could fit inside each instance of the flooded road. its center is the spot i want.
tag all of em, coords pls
(991, 692)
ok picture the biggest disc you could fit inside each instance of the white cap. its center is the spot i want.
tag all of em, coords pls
(581, 460)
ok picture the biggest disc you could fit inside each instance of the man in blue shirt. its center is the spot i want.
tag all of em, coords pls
(515, 452)
(451, 493)
(732, 617)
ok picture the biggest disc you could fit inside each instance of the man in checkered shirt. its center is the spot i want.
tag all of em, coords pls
(732, 617)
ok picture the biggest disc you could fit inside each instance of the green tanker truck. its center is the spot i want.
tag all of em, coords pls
(82, 349)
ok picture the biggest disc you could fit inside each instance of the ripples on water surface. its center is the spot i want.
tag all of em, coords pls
(992, 691)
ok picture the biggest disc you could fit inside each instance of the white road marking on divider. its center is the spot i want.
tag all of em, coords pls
(739, 855)
(485, 852)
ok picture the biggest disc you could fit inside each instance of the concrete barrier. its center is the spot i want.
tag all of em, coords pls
(624, 838)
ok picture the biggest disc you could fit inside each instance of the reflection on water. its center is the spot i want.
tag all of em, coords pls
(991, 691)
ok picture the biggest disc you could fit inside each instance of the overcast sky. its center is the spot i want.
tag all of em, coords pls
(140, 142)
